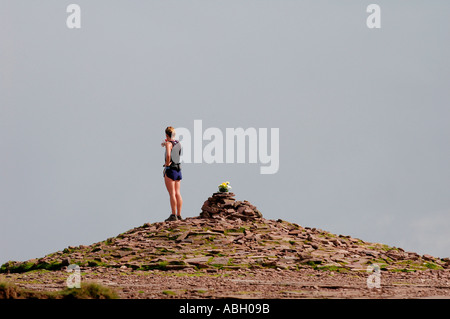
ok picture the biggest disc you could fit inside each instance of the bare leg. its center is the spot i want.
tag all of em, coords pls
(170, 185)
(178, 197)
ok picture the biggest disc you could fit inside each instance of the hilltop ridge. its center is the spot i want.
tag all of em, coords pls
(231, 238)
(232, 234)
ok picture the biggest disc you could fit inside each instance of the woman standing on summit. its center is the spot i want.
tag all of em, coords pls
(172, 173)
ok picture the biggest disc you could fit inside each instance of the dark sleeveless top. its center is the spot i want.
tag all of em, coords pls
(172, 164)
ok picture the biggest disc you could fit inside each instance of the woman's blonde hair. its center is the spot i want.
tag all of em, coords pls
(170, 131)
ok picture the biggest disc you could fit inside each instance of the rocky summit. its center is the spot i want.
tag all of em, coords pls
(231, 237)
(224, 205)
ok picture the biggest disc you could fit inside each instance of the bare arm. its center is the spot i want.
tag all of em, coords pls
(168, 152)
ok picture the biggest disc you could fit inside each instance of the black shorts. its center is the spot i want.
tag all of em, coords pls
(173, 174)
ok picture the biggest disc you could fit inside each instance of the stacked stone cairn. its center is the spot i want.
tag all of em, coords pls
(224, 205)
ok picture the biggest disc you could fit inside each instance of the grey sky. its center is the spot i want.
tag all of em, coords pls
(363, 115)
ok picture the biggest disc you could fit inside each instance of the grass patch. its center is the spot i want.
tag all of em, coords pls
(164, 250)
(87, 290)
(403, 270)
(172, 236)
(430, 265)
(29, 266)
(162, 265)
(313, 263)
(234, 230)
(169, 293)
(210, 239)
